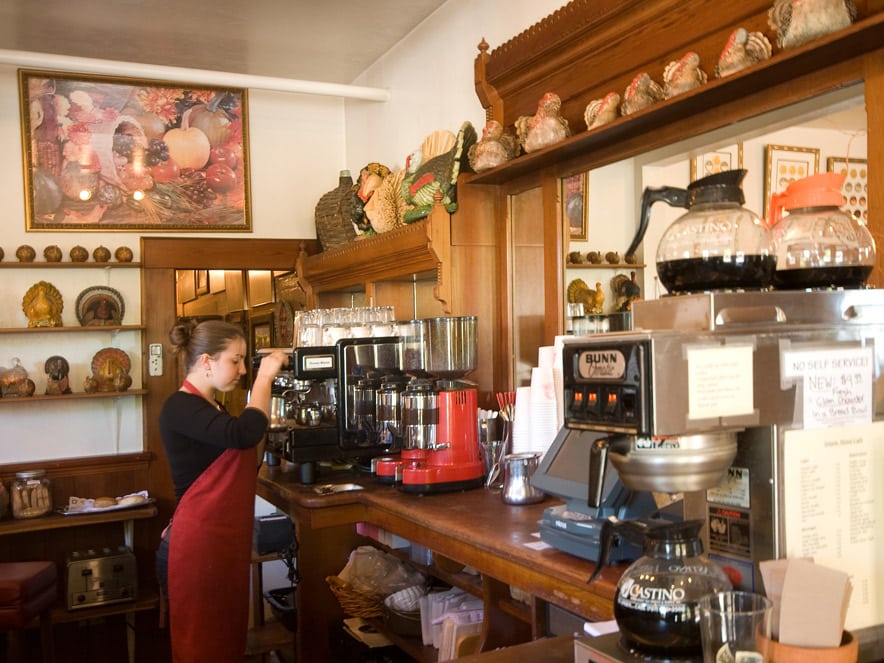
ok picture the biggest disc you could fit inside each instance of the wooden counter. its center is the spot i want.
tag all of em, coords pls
(474, 528)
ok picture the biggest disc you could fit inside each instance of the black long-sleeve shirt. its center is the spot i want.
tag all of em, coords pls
(195, 433)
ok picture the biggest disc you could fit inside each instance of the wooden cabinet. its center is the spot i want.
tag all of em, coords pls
(443, 265)
(589, 48)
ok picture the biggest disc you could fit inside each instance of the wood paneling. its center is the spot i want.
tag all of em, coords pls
(591, 47)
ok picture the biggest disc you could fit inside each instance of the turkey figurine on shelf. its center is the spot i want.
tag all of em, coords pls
(579, 293)
(743, 49)
(683, 75)
(430, 172)
(626, 290)
(494, 148)
(601, 111)
(546, 127)
(798, 22)
(642, 92)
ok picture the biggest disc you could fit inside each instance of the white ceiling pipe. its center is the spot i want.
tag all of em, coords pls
(194, 76)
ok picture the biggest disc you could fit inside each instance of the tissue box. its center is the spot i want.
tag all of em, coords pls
(273, 533)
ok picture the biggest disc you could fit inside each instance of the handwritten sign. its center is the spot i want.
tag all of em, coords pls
(836, 384)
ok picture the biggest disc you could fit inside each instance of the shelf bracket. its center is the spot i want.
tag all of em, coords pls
(439, 239)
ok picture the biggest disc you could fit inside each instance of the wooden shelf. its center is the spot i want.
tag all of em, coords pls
(619, 265)
(417, 251)
(20, 400)
(640, 131)
(414, 647)
(54, 521)
(271, 636)
(148, 599)
(68, 265)
(43, 330)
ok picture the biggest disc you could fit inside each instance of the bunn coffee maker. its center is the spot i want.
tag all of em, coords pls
(753, 406)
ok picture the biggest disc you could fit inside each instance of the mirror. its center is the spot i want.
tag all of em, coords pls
(821, 134)
(262, 302)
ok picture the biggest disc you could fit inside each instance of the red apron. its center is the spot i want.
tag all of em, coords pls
(209, 562)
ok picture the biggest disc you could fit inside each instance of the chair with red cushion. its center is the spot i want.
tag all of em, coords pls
(27, 590)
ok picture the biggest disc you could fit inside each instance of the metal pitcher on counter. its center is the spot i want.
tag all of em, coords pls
(517, 471)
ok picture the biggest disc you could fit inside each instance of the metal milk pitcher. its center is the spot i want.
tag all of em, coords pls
(517, 471)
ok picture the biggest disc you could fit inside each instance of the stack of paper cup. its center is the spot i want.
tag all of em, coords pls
(552, 355)
(522, 422)
(544, 422)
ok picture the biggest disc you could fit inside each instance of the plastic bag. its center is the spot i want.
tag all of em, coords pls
(373, 570)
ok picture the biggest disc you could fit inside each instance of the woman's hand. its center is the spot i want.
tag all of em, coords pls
(271, 364)
(261, 388)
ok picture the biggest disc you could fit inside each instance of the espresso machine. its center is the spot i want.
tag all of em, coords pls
(323, 406)
(762, 411)
(439, 430)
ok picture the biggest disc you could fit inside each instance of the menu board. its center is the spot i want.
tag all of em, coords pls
(834, 508)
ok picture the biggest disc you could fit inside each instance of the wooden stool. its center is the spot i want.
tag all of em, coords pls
(27, 590)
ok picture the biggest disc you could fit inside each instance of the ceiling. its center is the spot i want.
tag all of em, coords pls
(330, 41)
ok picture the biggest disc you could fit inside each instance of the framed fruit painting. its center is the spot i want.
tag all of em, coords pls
(108, 153)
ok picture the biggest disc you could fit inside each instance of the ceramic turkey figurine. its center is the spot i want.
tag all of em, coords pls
(800, 21)
(601, 111)
(642, 92)
(428, 175)
(494, 148)
(743, 49)
(683, 75)
(545, 127)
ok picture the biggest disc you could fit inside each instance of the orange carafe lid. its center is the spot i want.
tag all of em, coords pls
(821, 190)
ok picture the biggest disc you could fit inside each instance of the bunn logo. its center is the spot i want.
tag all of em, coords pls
(601, 357)
(603, 363)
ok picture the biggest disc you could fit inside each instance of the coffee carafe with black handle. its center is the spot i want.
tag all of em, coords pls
(717, 245)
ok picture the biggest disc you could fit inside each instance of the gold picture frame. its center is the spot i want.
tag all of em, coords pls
(575, 205)
(729, 157)
(783, 165)
(120, 154)
(856, 184)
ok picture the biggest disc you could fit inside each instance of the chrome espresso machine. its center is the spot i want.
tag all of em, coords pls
(399, 401)
(763, 410)
(323, 406)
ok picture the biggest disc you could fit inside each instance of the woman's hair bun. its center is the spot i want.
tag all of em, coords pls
(181, 332)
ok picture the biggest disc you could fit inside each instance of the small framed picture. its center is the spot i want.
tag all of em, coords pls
(783, 165)
(718, 160)
(856, 184)
(575, 198)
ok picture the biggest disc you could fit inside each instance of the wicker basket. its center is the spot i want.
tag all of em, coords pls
(354, 602)
(334, 225)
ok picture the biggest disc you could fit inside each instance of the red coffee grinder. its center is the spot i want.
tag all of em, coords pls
(440, 446)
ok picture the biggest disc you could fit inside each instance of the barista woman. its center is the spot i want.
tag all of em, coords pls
(212, 458)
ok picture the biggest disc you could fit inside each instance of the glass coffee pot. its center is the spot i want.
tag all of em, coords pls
(656, 605)
(717, 245)
(818, 245)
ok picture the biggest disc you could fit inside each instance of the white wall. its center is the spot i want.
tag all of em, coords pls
(298, 145)
(430, 74)
(296, 150)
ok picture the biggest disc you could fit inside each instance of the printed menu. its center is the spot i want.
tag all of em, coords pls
(834, 508)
